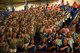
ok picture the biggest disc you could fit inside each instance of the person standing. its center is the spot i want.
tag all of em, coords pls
(75, 6)
(20, 43)
(3, 44)
(13, 43)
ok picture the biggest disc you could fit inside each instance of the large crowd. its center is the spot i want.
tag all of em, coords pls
(41, 29)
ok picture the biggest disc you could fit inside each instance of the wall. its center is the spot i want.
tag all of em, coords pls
(21, 6)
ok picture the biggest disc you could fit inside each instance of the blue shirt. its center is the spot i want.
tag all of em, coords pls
(32, 49)
(70, 9)
(62, 7)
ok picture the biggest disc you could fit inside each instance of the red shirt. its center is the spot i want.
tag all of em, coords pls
(75, 5)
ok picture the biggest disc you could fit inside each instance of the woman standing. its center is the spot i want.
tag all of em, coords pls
(20, 43)
(13, 43)
(3, 44)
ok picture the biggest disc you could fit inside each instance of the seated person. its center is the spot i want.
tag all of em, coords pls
(31, 47)
(53, 47)
(58, 40)
(49, 37)
(65, 47)
(42, 46)
(76, 45)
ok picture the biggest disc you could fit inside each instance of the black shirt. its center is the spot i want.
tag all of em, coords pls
(67, 49)
(55, 48)
(74, 47)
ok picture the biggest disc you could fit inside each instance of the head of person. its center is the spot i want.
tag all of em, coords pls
(74, 2)
(14, 35)
(49, 26)
(49, 32)
(25, 31)
(43, 40)
(78, 39)
(65, 26)
(63, 32)
(32, 41)
(67, 2)
(74, 22)
(73, 29)
(79, 27)
(47, 4)
(54, 31)
(69, 35)
(44, 31)
(1, 37)
(60, 31)
(64, 41)
(46, 26)
(52, 4)
(56, 36)
(19, 35)
(10, 34)
(53, 41)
